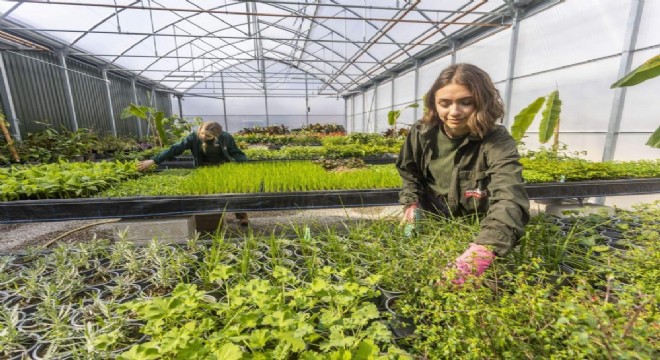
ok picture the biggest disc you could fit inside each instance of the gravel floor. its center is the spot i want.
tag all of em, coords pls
(16, 237)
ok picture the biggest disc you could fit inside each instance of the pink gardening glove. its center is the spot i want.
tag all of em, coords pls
(474, 261)
(410, 217)
(411, 214)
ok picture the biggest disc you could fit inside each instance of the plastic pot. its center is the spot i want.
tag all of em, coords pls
(21, 351)
(400, 326)
(44, 350)
(121, 295)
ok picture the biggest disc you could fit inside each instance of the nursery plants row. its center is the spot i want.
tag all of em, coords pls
(68, 180)
(573, 288)
(258, 177)
(62, 180)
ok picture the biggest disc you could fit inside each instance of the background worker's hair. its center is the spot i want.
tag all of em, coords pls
(208, 128)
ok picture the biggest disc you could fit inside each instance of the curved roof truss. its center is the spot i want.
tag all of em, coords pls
(179, 45)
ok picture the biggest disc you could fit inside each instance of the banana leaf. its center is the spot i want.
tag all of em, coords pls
(525, 117)
(392, 117)
(654, 140)
(550, 117)
(134, 110)
(646, 71)
(158, 119)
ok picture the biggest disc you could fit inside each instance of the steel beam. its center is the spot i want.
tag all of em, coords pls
(224, 101)
(108, 97)
(8, 100)
(634, 18)
(73, 120)
(135, 101)
(510, 71)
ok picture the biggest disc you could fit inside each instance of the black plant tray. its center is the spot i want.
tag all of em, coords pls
(138, 207)
(592, 188)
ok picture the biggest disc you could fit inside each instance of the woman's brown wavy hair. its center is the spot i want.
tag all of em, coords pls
(489, 108)
(211, 128)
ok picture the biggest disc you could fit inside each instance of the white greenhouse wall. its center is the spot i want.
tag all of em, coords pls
(369, 110)
(251, 111)
(490, 54)
(384, 100)
(562, 48)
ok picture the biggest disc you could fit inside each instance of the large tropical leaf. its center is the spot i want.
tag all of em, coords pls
(550, 117)
(654, 140)
(525, 117)
(158, 119)
(392, 116)
(646, 71)
(134, 110)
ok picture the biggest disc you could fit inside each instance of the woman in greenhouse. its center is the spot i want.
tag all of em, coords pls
(458, 161)
(209, 146)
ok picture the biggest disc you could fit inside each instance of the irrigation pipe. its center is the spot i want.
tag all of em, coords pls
(49, 243)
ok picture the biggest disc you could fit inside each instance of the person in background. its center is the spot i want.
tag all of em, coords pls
(209, 146)
(457, 160)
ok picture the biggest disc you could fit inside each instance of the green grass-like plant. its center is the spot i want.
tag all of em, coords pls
(258, 177)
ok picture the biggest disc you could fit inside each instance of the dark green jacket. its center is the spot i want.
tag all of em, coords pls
(230, 150)
(489, 167)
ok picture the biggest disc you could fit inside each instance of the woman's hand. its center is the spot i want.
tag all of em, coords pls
(410, 214)
(473, 262)
(145, 165)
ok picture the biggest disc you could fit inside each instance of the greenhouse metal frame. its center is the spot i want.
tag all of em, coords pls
(245, 63)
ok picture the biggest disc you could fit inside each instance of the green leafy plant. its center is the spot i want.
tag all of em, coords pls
(549, 126)
(654, 140)
(393, 115)
(155, 119)
(61, 180)
(262, 318)
(648, 70)
(525, 306)
(4, 125)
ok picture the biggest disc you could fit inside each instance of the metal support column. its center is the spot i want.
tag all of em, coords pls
(8, 101)
(513, 47)
(180, 103)
(224, 100)
(392, 93)
(266, 103)
(109, 98)
(612, 136)
(135, 101)
(454, 45)
(364, 110)
(416, 90)
(306, 102)
(153, 98)
(376, 107)
(61, 55)
(353, 112)
(346, 114)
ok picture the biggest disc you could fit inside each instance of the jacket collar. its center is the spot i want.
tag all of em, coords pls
(430, 132)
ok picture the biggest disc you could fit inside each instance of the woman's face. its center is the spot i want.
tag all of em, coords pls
(204, 135)
(454, 104)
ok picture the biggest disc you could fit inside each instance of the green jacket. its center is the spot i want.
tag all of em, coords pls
(230, 150)
(488, 167)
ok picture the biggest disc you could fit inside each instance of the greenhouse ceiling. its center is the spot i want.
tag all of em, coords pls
(255, 48)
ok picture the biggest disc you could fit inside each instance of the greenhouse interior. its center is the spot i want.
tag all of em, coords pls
(330, 179)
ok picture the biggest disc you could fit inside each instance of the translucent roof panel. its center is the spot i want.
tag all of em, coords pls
(341, 44)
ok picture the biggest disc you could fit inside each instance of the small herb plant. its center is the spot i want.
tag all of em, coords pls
(276, 318)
